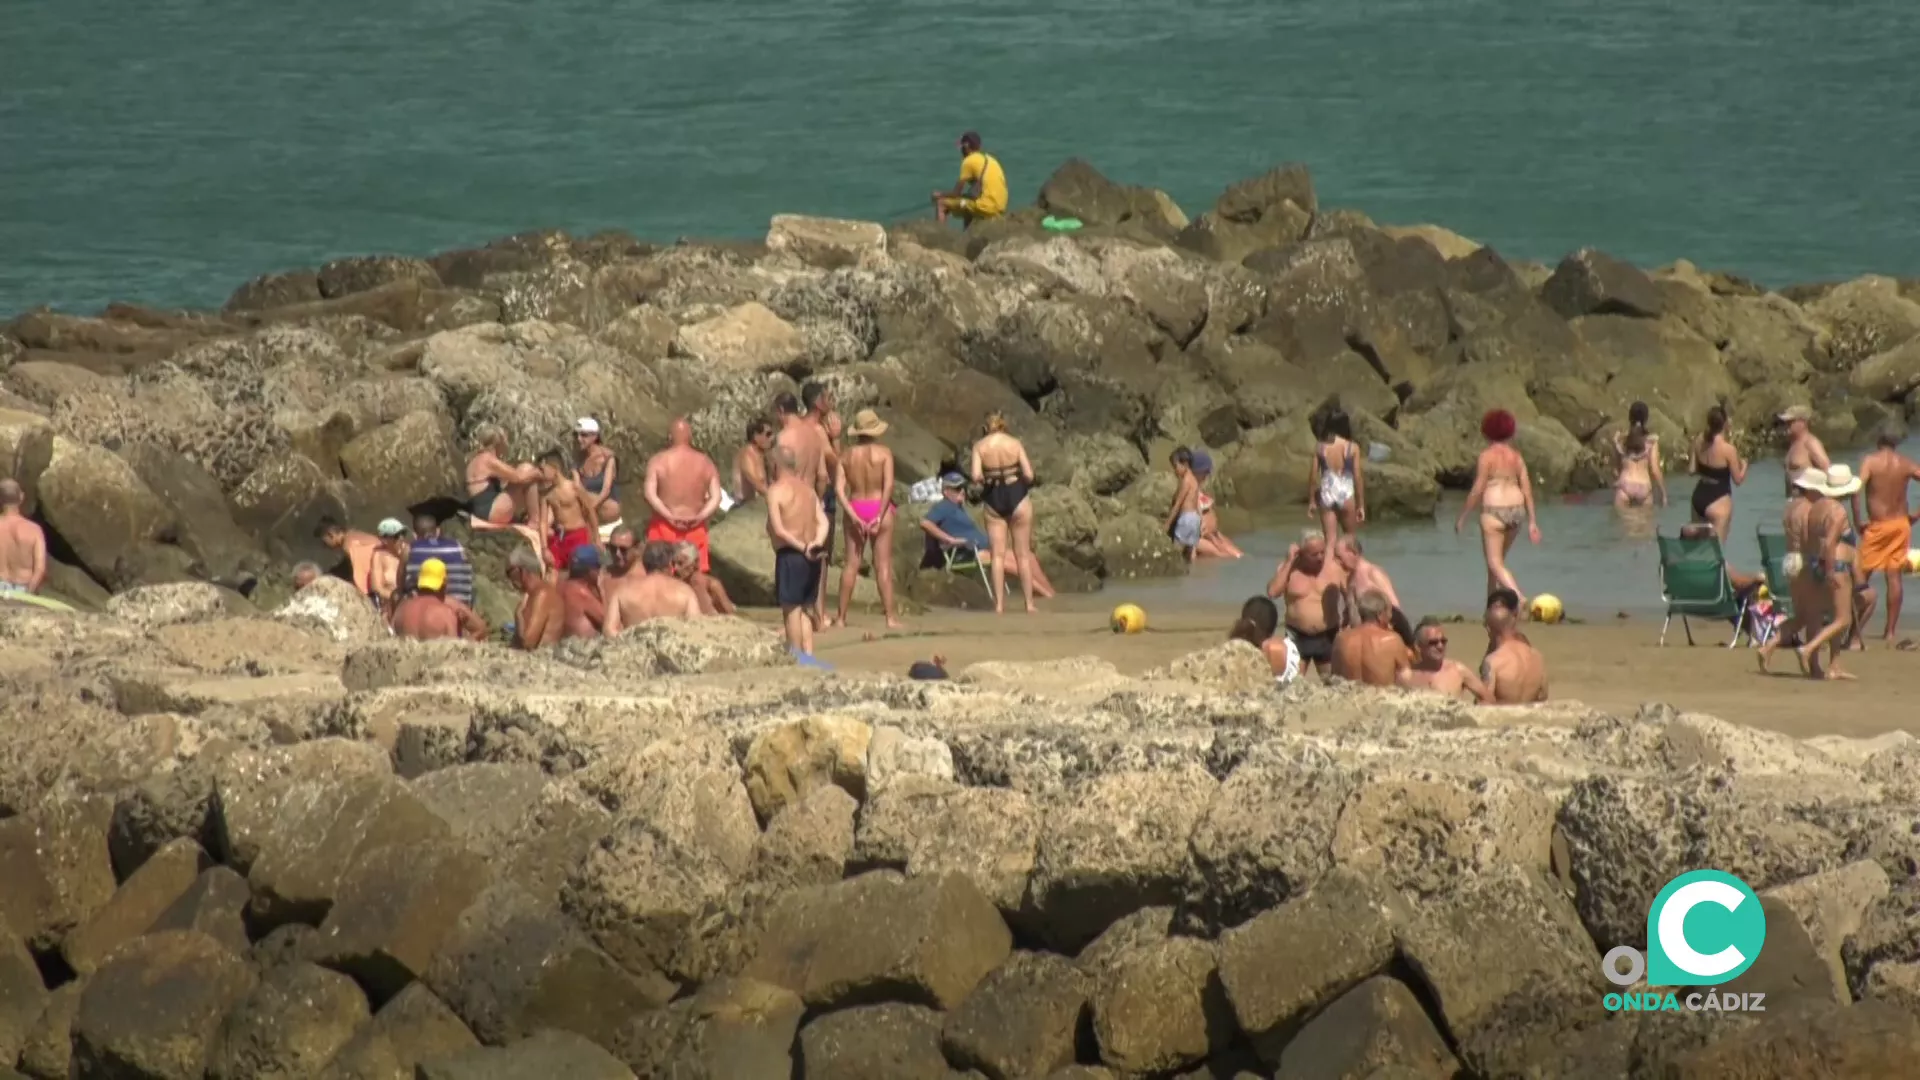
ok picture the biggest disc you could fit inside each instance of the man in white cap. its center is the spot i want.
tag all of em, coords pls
(389, 561)
(1804, 450)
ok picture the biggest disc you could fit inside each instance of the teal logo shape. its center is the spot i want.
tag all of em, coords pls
(1704, 928)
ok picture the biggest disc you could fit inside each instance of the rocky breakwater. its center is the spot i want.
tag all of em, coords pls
(234, 847)
(168, 445)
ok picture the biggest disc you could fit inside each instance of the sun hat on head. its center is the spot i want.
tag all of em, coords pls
(1839, 480)
(433, 575)
(1811, 479)
(586, 425)
(1795, 412)
(866, 422)
(391, 528)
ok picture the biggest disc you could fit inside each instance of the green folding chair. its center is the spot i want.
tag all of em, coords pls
(1695, 585)
(956, 560)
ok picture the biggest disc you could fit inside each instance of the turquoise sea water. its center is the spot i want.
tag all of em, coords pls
(165, 150)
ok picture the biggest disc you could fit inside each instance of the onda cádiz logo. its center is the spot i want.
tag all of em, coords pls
(1704, 928)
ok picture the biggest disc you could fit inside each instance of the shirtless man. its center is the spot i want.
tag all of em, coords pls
(430, 613)
(358, 547)
(1889, 533)
(797, 526)
(500, 495)
(750, 464)
(1804, 450)
(537, 624)
(683, 491)
(707, 588)
(389, 564)
(1183, 516)
(817, 401)
(655, 594)
(566, 514)
(583, 612)
(23, 544)
(1309, 586)
(1433, 670)
(1514, 671)
(866, 479)
(1370, 651)
(1364, 577)
(623, 561)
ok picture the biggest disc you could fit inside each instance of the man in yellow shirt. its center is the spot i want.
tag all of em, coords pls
(981, 194)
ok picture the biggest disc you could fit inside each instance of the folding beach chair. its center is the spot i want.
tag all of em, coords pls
(1694, 583)
(956, 560)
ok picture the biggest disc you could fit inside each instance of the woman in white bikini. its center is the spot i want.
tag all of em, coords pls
(1503, 492)
(1336, 485)
(1637, 452)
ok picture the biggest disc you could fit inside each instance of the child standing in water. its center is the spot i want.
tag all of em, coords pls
(1183, 517)
(1336, 485)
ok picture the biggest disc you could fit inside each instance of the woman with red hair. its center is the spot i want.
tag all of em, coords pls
(1504, 494)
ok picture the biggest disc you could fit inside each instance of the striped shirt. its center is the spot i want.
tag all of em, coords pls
(459, 570)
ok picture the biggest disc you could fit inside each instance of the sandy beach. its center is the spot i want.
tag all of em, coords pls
(1615, 666)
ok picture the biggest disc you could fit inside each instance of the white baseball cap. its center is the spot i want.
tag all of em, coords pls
(587, 425)
(391, 527)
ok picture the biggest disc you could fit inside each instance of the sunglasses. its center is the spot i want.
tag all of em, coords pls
(619, 550)
(1432, 641)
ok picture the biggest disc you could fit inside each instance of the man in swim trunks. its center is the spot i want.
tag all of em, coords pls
(652, 594)
(750, 464)
(683, 491)
(358, 547)
(1888, 537)
(707, 588)
(429, 613)
(568, 519)
(1433, 670)
(980, 194)
(816, 403)
(23, 544)
(797, 527)
(542, 613)
(1514, 671)
(1309, 585)
(1364, 577)
(1370, 651)
(1183, 516)
(583, 613)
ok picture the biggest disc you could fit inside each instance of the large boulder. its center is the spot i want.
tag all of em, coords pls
(728, 1028)
(390, 917)
(785, 764)
(827, 243)
(405, 463)
(156, 1008)
(22, 995)
(1890, 375)
(414, 1027)
(136, 905)
(294, 1021)
(206, 529)
(547, 1053)
(1023, 1020)
(363, 272)
(101, 509)
(900, 1042)
(1078, 190)
(928, 827)
(26, 448)
(744, 339)
(1157, 1007)
(1866, 316)
(1592, 282)
(55, 874)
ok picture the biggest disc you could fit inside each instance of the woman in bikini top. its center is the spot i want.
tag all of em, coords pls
(1503, 493)
(596, 473)
(1001, 468)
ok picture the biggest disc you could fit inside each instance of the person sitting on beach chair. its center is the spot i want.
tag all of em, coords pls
(956, 543)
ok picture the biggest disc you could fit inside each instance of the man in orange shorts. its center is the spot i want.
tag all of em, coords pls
(1885, 541)
(683, 491)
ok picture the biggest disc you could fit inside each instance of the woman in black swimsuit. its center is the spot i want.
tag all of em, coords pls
(1720, 469)
(1001, 468)
(595, 473)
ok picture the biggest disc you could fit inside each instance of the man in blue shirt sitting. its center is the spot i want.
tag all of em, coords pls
(948, 526)
(429, 544)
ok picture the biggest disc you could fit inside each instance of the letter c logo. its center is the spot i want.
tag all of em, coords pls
(1673, 928)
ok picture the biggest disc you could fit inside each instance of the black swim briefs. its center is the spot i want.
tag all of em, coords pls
(1313, 646)
(796, 578)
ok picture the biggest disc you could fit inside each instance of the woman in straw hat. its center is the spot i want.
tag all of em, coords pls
(1823, 571)
(864, 478)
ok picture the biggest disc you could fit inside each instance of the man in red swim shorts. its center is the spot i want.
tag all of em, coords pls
(569, 525)
(683, 491)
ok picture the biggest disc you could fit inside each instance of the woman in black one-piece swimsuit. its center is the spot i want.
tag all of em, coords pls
(1713, 494)
(1009, 511)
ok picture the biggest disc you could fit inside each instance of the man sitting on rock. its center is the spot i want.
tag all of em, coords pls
(23, 544)
(580, 595)
(501, 495)
(712, 595)
(538, 622)
(683, 490)
(1514, 671)
(1371, 652)
(568, 522)
(623, 561)
(1433, 670)
(750, 464)
(428, 543)
(1309, 585)
(358, 547)
(430, 613)
(980, 194)
(656, 594)
(948, 526)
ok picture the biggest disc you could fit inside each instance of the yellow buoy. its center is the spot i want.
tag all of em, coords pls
(1128, 619)
(1546, 609)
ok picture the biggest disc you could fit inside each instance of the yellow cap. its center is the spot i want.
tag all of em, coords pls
(433, 575)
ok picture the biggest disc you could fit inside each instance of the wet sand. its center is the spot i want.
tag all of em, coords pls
(1614, 666)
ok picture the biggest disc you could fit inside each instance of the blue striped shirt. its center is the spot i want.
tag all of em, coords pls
(459, 570)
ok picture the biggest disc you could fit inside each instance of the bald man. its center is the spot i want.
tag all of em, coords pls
(683, 491)
(23, 544)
